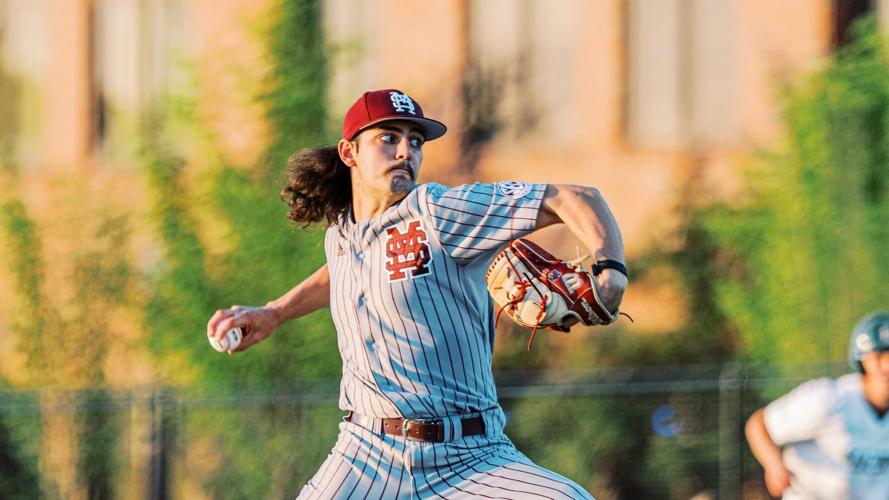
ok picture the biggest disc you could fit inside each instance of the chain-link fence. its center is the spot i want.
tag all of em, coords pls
(665, 432)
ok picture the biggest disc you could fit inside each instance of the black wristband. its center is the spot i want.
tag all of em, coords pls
(602, 265)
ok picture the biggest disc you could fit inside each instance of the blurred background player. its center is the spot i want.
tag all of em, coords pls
(404, 281)
(829, 438)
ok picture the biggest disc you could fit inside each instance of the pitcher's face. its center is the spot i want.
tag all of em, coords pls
(387, 157)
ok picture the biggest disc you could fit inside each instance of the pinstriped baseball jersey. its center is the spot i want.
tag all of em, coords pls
(413, 317)
(415, 329)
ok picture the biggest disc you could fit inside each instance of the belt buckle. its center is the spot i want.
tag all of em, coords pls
(422, 421)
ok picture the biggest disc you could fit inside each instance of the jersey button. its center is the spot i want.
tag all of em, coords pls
(360, 299)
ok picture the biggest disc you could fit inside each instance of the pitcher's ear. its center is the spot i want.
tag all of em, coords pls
(347, 150)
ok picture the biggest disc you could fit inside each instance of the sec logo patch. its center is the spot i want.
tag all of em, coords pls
(514, 190)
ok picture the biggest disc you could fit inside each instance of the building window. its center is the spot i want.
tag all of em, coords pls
(349, 31)
(525, 54)
(24, 45)
(138, 49)
(845, 13)
(680, 73)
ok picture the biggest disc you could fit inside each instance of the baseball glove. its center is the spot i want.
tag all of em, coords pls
(539, 290)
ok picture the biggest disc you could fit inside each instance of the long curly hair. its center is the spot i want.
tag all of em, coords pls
(319, 186)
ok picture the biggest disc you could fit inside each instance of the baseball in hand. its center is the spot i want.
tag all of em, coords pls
(231, 340)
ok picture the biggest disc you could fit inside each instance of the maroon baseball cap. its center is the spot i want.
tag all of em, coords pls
(377, 106)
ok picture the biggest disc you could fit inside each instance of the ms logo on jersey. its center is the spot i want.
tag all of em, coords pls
(407, 252)
(514, 190)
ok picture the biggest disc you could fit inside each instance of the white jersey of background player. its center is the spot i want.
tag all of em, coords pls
(829, 438)
(405, 283)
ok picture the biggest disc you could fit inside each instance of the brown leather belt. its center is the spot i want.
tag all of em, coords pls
(427, 430)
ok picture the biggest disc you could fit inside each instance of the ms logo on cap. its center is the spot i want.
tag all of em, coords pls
(377, 106)
(401, 103)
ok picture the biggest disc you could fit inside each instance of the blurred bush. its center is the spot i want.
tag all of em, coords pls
(19, 443)
(805, 251)
(264, 258)
(66, 332)
(777, 275)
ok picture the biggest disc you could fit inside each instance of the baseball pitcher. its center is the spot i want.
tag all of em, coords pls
(405, 281)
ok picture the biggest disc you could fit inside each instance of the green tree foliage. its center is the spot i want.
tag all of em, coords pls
(265, 256)
(297, 95)
(778, 275)
(19, 442)
(98, 463)
(26, 269)
(182, 296)
(66, 346)
(806, 251)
